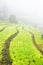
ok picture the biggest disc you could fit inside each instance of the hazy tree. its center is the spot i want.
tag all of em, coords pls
(12, 19)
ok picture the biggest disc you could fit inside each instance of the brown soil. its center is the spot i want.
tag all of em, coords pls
(35, 44)
(3, 29)
(6, 59)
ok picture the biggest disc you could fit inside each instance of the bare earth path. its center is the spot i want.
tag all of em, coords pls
(35, 44)
(6, 59)
(3, 29)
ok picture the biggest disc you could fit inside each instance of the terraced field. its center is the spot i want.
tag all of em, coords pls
(20, 45)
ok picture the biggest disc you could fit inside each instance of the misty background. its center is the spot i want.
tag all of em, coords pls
(28, 11)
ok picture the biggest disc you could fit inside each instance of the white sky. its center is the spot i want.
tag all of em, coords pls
(30, 9)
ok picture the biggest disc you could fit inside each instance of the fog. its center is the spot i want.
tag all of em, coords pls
(30, 10)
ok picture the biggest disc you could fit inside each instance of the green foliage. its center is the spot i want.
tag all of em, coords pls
(22, 50)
